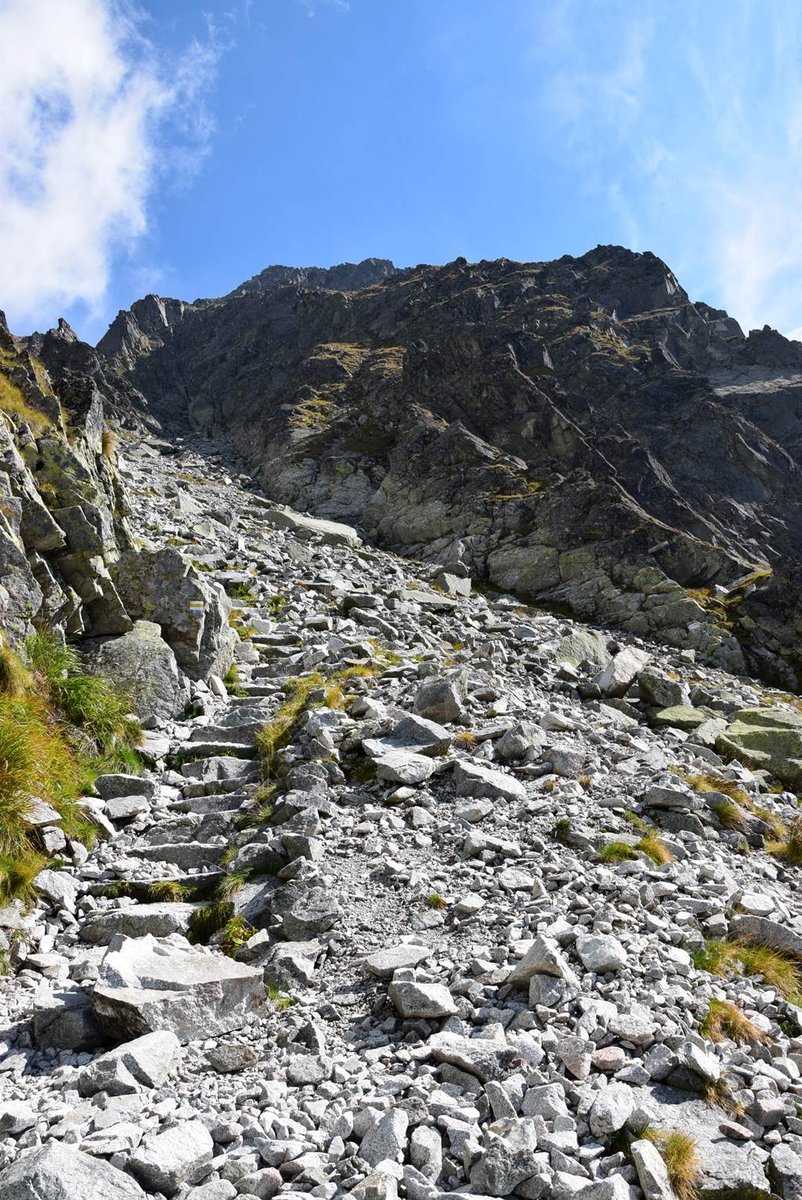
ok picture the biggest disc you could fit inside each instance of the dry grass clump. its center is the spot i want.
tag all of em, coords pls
(788, 844)
(679, 1153)
(436, 901)
(727, 958)
(730, 815)
(724, 1019)
(615, 852)
(655, 848)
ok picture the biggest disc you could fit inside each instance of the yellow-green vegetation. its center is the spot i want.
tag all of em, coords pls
(614, 852)
(717, 1093)
(232, 681)
(168, 891)
(724, 1019)
(13, 401)
(108, 444)
(709, 782)
(465, 739)
(730, 815)
(655, 848)
(280, 1000)
(561, 830)
(241, 591)
(436, 901)
(276, 604)
(58, 729)
(209, 919)
(788, 845)
(235, 934)
(727, 958)
(278, 731)
(238, 623)
(679, 1153)
(231, 884)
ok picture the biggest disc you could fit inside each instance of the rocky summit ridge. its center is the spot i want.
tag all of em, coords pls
(417, 889)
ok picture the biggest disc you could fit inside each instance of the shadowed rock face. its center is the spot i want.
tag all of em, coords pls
(577, 431)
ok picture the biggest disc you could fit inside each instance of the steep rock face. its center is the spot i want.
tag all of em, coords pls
(62, 505)
(577, 431)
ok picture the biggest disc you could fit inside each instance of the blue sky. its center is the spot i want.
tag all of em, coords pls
(180, 147)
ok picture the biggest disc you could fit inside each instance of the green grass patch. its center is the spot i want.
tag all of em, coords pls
(732, 958)
(615, 852)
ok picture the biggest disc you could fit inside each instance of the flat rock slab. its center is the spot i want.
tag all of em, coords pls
(384, 963)
(730, 1170)
(482, 1057)
(136, 920)
(146, 984)
(331, 533)
(770, 738)
(59, 1172)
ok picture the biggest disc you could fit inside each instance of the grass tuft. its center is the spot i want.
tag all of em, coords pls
(436, 901)
(209, 919)
(788, 847)
(730, 815)
(167, 890)
(655, 848)
(725, 1020)
(615, 852)
(679, 1153)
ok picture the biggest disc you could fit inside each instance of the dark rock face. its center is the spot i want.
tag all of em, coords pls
(577, 431)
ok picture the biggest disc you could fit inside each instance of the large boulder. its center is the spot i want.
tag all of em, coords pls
(770, 738)
(135, 920)
(162, 586)
(170, 1158)
(146, 667)
(59, 1172)
(148, 983)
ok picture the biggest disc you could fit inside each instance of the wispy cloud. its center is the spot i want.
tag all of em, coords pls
(313, 6)
(686, 122)
(90, 119)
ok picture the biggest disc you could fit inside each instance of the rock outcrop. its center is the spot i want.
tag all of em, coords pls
(578, 432)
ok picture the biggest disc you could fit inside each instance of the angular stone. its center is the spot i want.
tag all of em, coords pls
(507, 1158)
(169, 1158)
(584, 646)
(419, 734)
(426, 1000)
(472, 779)
(611, 1110)
(387, 1140)
(58, 1172)
(438, 700)
(383, 963)
(229, 1057)
(135, 920)
(543, 957)
(144, 1062)
(651, 1170)
(601, 952)
(304, 911)
(770, 738)
(482, 1057)
(60, 888)
(621, 672)
(108, 787)
(65, 1021)
(146, 984)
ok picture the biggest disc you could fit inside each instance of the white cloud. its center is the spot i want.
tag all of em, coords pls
(686, 122)
(84, 108)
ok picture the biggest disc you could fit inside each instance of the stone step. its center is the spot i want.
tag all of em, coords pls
(184, 855)
(190, 751)
(225, 803)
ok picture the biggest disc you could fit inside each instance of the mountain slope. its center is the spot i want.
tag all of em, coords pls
(578, 431)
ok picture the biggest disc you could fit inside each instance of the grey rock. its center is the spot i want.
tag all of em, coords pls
(59, 1172)
(611, 1110)
(383, 963)
(472, 779)
(507, 1158)
(65, 1021)
(146, 984)
(142, 662)
(765, 932)
(169, 1158)
(144, 1062)
(652, 1171)
(229, 1057)
(601, 952)
(543, 957)
(621, 672)
(481, 1057)
(439, 700)
(387, 1140)
(427, 1000)
(135, 920)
